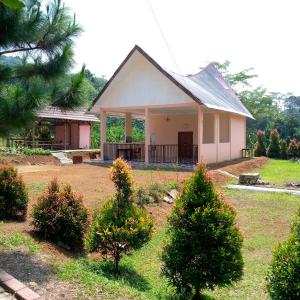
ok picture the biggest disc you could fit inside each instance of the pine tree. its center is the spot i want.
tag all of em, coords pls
(35, 56)
(260, 148)
(204, 250)
(274, 147)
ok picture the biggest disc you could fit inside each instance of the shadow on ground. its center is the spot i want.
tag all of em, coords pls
(24, 267)
(127, 275)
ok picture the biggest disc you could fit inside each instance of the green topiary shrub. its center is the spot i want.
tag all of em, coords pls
(13, 194)
(204, 248)
(283, 149)
(259, 147)
(61, 216)
(120, 225)
(283, 280)
(274, 147)
(292, 150)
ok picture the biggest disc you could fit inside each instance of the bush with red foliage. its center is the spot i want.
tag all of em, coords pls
(61, 216)
(292, 150)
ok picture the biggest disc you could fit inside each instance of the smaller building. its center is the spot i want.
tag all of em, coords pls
(58, 129)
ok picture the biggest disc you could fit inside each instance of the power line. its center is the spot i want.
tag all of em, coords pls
(163, 36)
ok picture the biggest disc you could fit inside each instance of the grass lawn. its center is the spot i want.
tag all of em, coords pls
(264, 220)
(280, 172)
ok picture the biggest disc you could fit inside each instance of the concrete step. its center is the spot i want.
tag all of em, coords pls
(62, 158)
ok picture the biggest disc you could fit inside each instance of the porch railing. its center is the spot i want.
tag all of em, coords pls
(129, 151)
(168, 153)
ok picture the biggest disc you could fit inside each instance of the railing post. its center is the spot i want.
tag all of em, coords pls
(102, 131)
(147, 134)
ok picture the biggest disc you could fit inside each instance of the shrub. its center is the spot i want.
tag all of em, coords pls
(13, 194)
(119, 226)
(36, 151)
(274, 147)
(61, 216)
(283, 280)
(283, 149)
(204, 248)
(292, 150)
(259, 147)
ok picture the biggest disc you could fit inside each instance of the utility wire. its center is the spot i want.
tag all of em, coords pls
(163, 36)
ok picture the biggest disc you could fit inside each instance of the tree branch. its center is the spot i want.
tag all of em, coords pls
(19, 50)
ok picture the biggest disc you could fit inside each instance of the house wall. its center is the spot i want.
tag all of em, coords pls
(238, 135)
(60, 133)
(84, 136)
(231, 126)
(166, 132)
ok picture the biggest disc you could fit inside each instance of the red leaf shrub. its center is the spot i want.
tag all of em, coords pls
(61, 216)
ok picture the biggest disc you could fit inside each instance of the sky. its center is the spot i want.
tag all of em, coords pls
(262, 34)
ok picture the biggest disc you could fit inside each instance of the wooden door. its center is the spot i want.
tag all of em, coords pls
(185, 147)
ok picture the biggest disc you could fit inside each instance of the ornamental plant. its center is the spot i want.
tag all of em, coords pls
(274, 147)
(283, 149)
(13, 194)
(61, 216)
(259, 147)
(120, 226)
(292, 150)
(283, 280)
(204, 248)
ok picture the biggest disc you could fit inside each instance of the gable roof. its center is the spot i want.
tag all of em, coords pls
(208, 87)
(79, 114)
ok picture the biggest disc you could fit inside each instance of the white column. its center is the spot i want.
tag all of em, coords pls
(200, 133)
(102, 131)
(217, 134)
(128, 126)
(147, 134)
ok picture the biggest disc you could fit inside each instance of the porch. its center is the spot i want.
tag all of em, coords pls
(176, 134)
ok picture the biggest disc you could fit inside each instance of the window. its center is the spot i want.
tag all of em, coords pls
(224, 128)
(208, 128)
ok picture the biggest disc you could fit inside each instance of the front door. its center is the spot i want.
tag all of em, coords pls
(185, 147)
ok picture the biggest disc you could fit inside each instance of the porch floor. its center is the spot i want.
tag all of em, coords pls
(142, 165)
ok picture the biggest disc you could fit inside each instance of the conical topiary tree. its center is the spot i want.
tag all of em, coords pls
(204, 249)
(119, 226)
(274, 147)
(292, 150)
(260, 148)
(283, 280)
(283, 149)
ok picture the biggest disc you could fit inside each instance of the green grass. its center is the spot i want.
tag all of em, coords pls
(17, 240)
(37, 186)
(280, 172)
(264, 220)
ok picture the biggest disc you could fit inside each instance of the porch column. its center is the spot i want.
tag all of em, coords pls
(33, 135)
(128, 126)
(102, 132)
(147, 135)
(217, 134)
(200, 133)
(65, 135)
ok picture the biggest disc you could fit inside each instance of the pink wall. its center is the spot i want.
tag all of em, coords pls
(166, 132)
(238, 135)
(84, 136)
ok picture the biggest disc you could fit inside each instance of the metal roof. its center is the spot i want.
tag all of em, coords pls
(208, 87)
(79, 114)
(212, 90)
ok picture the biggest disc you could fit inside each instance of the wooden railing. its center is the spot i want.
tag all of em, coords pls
(170, 154)
(157, 153)
(129, 151)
